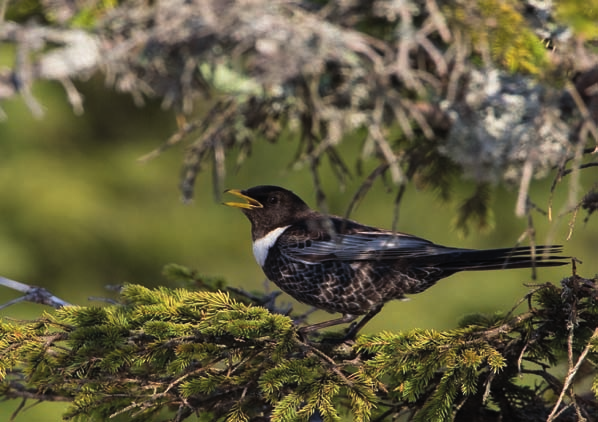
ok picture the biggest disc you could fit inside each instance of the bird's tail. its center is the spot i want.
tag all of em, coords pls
(504, 258)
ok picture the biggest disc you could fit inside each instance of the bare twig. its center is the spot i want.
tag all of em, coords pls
(32, 294)
(570, 376)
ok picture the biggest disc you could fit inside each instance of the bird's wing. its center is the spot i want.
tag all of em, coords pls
(366, 245)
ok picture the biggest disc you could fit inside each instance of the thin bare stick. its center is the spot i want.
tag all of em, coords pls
(570, 375)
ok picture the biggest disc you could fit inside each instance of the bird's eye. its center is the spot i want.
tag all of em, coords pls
(273, 200)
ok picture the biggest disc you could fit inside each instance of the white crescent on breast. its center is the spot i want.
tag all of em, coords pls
(262, 245)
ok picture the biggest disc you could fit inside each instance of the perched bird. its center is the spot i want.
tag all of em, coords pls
(339, 265)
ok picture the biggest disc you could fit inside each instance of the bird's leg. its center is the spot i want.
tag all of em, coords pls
(356, 326)
(346, 318)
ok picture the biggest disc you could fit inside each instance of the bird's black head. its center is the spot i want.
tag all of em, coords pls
(269, 207)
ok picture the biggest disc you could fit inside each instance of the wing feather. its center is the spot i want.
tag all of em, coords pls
(361, 246)
(320, 240)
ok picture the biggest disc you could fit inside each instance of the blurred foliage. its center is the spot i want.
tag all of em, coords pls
(23, 10)
(581, 16)
(500, 28)
(400, 78)
(476, 207)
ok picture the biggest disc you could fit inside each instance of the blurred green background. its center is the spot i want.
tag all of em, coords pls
(79, 212)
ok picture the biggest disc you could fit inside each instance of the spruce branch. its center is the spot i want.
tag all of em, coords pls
(206, 352)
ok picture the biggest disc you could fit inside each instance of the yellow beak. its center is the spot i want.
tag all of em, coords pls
(250, 204)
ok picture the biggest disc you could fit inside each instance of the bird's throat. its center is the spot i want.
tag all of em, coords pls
(262, 245)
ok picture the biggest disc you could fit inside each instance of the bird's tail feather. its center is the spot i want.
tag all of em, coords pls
(505, 258)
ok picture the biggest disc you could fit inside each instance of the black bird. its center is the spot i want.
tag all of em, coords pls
(339, 265)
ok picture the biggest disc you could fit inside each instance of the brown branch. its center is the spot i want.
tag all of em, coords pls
(570, 375)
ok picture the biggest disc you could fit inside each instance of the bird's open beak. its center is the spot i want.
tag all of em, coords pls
(250, 204)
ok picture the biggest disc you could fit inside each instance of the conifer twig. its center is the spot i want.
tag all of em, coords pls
(329, 361)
